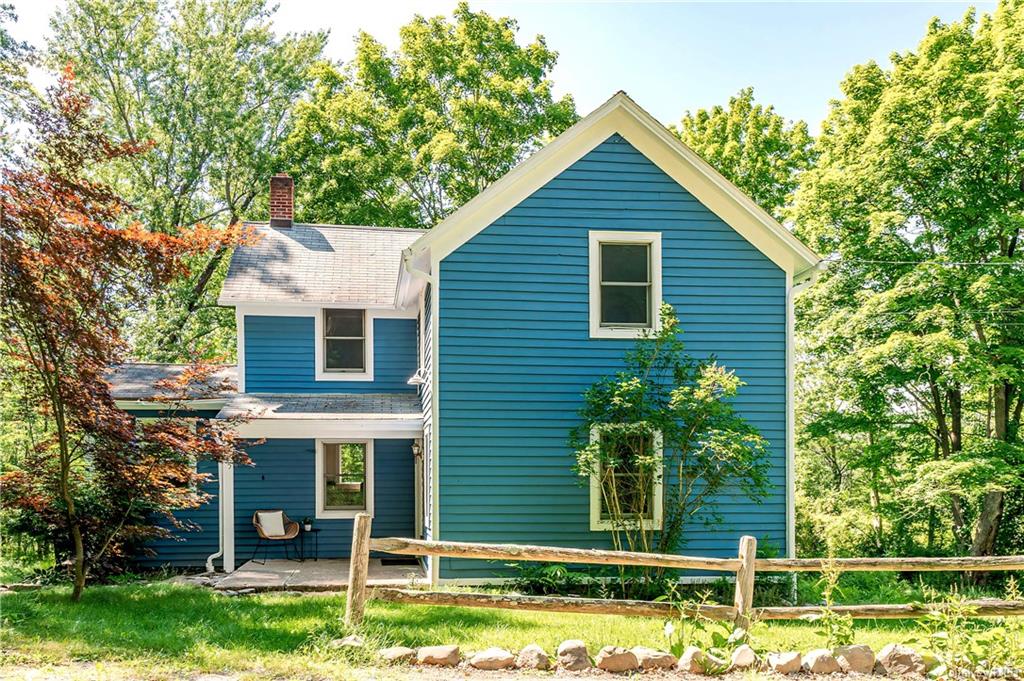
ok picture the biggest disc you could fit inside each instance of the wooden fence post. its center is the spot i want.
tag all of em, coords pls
(359, 565)
(744, 600)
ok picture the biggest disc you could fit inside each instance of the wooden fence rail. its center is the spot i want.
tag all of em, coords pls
(744, 566)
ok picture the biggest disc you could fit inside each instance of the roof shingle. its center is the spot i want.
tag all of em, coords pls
(137, 381)
(323, 406)
(318, 264)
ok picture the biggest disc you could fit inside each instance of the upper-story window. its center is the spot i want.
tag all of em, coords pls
(345, 340)
(625, 283)
(344, 345)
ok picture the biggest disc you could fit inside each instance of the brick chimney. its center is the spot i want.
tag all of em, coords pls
(282, 200)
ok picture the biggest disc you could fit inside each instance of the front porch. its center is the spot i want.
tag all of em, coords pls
(320, 575)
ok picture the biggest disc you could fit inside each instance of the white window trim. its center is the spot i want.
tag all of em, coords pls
(326, 514)
(321, 373)
(598, 524)
(596, 238)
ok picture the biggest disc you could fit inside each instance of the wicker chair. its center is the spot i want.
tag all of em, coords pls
(291, 531)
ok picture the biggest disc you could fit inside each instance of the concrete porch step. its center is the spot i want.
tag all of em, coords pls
(279, 574)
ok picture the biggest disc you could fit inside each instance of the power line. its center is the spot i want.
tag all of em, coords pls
(941, 263)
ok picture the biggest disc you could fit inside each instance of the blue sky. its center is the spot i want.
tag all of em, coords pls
(669, 57)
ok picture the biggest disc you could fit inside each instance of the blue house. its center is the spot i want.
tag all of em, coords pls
(431, 378)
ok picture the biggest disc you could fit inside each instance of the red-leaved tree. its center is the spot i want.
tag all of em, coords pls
(72, 265)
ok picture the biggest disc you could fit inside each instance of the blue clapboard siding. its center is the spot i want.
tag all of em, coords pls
(190, 547)
(515, 353)
(279, 357)
(284, 476)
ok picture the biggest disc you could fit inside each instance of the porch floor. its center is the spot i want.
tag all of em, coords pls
(320, 575)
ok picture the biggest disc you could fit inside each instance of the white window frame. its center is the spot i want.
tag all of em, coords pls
(322, 373)
(599, 524)
(325, 513)
(596, 238)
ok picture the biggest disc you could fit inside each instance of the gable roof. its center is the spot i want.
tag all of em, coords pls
(320, 264)
(623, 116)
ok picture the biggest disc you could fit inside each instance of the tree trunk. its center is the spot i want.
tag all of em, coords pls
(79, 567)
(986, 530)
(876, 510)
(948, 444)
(931, 530)
(956, 420)
(64, 483)
(195, 297)
(74, 526)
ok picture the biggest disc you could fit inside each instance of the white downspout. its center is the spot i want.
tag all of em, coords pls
(791, 292)
(225, 519)
(429, 278)
(228, 507)
(220, 519)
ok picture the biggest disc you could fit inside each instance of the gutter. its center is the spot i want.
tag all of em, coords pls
(409, 269)
(806, 277)
(407, 258)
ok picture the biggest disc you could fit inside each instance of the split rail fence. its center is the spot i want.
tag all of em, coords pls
(745, 565)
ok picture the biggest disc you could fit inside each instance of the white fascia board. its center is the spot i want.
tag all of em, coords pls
(622, 116)
(303, 309)
(331, 428)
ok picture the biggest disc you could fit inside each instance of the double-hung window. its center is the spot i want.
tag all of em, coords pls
(625, 283)
(626, 486)
(344, 345)
(344, 473)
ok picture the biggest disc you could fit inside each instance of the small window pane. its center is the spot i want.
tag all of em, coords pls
(625, 262)
(345, 476)
(625, 305)
(343, 323)
(344, 354)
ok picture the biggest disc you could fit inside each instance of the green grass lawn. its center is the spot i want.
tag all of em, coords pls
(160, 630)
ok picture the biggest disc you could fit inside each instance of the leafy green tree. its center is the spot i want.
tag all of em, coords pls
(664, 396)
(855, 466)
(919, 197)
(212, 86)
(753, 146)
(15, 57)
(403, 138)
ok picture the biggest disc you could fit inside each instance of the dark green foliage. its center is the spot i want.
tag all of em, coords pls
(404, 138)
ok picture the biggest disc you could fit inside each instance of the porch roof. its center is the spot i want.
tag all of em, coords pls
(326, 415)
(147, 381)
(334, 406)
